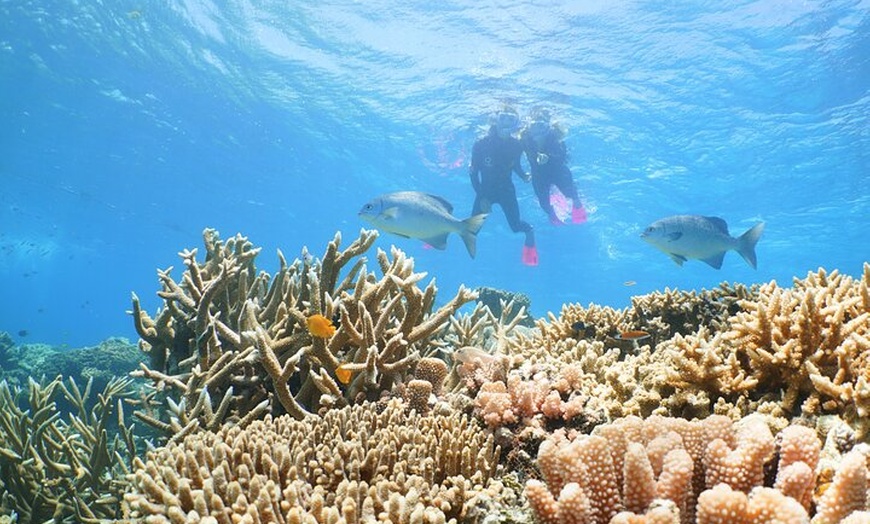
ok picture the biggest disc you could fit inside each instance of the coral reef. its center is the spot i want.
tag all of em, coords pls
(231, 344)
(114, 357)
(63, 467)
(8, 356)
(332, 393)
(497, 300)
(20, 362)
(704, 471)
(785, 351)
(356, 464)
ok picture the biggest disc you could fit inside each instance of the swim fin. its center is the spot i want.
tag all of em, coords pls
(530, 255)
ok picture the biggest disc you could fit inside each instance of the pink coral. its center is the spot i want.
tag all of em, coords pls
(493, 403)
(631, 465)
(848, 492)
(741, 468)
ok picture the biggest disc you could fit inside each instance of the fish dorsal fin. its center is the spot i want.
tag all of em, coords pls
(442, 202)
(718, 224)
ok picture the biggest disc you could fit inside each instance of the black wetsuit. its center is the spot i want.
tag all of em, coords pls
(555, 172)
(493, 160)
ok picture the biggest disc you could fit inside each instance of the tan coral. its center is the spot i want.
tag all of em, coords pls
(638, 463)
(357, 463)
(782, 351)
(229, 340)
(806, 339)
(848, 492)
(63, 466)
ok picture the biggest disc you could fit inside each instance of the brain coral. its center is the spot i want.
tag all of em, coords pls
(365, 462)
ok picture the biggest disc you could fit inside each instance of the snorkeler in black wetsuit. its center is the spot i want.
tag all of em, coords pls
(493, 159)
(547, 155)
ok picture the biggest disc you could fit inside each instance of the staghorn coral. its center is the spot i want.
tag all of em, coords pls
(63, 467)
(230, 341)
(358, 463)
(810, 341)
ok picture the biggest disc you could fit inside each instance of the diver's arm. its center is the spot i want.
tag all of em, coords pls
(518, 168)
(556, 150)
(474, 173)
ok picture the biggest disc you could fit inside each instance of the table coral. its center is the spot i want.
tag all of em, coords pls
(359, 463)
(231, 344)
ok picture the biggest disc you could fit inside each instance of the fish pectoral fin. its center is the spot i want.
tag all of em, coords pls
(674, 236)
(715, 260)
(390, 213)
(438, 242)
(678, 259)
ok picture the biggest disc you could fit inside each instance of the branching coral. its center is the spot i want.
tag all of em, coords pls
(63, 468)
(785, 351)
(230, 341)
(810, 341)
(357, 464)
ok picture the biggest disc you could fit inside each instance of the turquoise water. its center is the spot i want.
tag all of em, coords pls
(129, 127)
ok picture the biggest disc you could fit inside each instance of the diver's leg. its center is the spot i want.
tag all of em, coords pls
(565, 182)
(512, 212)
(541, 184)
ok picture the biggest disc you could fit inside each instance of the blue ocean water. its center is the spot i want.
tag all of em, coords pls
(129, 127)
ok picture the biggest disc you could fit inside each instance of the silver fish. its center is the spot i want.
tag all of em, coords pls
(413, 214)
(682, 237)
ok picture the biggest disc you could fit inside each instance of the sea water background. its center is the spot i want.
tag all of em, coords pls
(129, 127)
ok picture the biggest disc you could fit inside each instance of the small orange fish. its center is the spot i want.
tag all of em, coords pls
(344, 375)
(320, 326)
(632, 335)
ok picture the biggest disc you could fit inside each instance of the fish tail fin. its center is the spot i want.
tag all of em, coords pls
(746, 244)
(470, 227)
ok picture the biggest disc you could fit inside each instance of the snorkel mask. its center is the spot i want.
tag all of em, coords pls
(506, 122)
(538, 129)
(540, 124)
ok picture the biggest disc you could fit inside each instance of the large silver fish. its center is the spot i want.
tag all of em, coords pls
(682, 237)
(413, 214)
